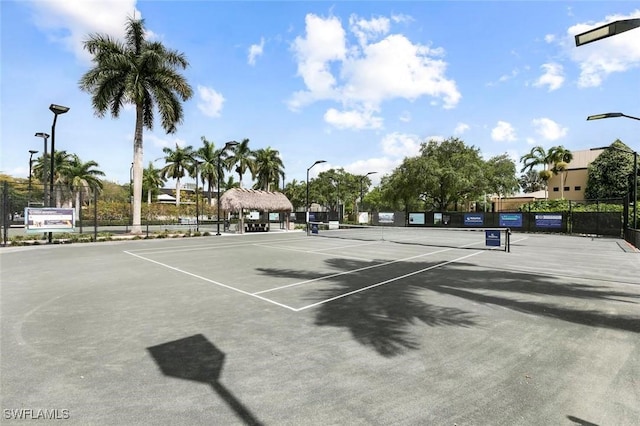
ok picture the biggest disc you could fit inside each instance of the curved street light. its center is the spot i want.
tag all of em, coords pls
(56, 110)
(31, 152)
(635, 159)
(226, 146)
(307, 200)
(362, 190)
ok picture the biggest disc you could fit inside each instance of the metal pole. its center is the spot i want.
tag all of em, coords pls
(306, 219)
(218, 210)
(635, 190)
(197, 203)
(52, 168)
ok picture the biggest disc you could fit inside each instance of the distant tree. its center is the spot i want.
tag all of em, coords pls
(296, 193)
(152, 181)
(142, 73)
(81, 177)
(531, 181)
(242, 158)
(609, 174)
(178, 163)
(537, 157)
(560, 157)
(500, 175)
(268, 168)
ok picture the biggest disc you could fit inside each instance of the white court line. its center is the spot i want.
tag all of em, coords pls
(211, 281)
(385, 282)
(360, 269)
(316, 252)
(203, 247)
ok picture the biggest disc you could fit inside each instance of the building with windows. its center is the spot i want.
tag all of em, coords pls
(572, 183)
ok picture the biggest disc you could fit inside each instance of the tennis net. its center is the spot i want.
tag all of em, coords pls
(462, 238)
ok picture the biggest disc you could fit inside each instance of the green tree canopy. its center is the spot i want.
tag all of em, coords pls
(609, 174)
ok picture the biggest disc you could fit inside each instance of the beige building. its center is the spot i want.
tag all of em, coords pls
(571, 184)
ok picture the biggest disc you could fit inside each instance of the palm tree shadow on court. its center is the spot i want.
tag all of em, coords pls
(196, 358)
(382, 317)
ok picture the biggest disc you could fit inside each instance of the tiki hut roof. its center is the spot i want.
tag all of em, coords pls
(238, 198)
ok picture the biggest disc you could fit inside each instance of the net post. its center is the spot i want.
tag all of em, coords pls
(507, 246)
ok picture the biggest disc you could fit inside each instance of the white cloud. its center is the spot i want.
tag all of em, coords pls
(68, 22)
(361, 76)
(531, 141)
(553, 77)
(353, 119)
(600, 59)
(254, 51)
(549, 38)
(503, 132)
(460, 128)
(381, 166)
(367, 30)
(210, 101)
(549, 129)
(400, 145)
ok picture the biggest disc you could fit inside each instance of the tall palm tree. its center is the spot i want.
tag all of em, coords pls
(269, 168)
(62, 161)
(208, 155)
(538, 156)
(152, 180)
(560, 157)
(81, 176)
(179, 162)
(243, 158)
(142, 73)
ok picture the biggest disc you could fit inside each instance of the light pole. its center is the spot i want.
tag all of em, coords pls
(45, 177)
(606, 30)
(362, 190)
(56, 110)
(31, 152)
(307, 201)
(635, 158)
(196, 163)
(226, 146)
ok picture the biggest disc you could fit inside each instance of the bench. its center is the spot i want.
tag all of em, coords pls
(256, 227)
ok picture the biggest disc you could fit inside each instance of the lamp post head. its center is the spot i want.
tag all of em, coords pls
(58, 109)
(42, 135)
(33, 151)
(606, 115)
(230, 144)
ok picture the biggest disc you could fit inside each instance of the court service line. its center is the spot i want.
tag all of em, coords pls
(316, 252)
(364, 268)
(211, 281)
(159, 250)
(385, 282)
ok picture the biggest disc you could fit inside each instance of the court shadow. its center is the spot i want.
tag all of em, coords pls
(580, 422)
(381, 316)
(196, 358)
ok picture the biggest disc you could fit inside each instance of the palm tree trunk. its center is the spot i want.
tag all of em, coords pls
(136, 227)
(149, 197)
(178, 192)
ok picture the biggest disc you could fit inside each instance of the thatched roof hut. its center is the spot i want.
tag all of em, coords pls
(237, 199)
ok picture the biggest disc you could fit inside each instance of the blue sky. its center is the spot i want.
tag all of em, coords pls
(358, 84)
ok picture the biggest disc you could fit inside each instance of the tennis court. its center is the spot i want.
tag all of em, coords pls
(285, 328)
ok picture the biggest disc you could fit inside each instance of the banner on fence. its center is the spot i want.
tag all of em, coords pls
(385, 217)
(49, 219)
(548, 220)
(473, 219)
(511, 220)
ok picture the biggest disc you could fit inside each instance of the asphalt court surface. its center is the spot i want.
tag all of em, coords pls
(269, 275)
(282, 328)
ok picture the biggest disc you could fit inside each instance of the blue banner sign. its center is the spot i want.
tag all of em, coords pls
(511, 220)
(548, 220)
(492, 238)
(314, 228)
(473, 219)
